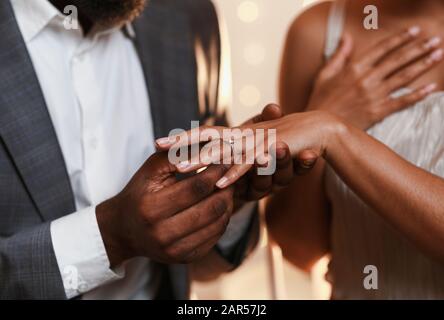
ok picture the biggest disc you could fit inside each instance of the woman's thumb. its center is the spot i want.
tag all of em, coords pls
(340, 58)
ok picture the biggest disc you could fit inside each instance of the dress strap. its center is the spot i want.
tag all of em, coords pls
(335, 27)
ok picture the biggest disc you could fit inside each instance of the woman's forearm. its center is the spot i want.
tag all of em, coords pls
(409, 198)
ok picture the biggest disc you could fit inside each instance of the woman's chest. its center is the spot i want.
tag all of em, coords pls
(416, 133)
(367, 40)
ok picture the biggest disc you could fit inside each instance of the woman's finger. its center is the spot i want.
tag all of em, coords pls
(214, 152)
(396, 62)
(413, 71)
(305, 162)
(405, 101)
(191, 137)
(236, 172)
(284, 166)
(243, 163)
(236, 151)
(383, 48)
(260, 185)
(339, 59)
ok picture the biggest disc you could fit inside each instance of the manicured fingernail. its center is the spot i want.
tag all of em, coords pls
(222, 183)
(183, 165)
(433, 42)
(429, 88)
(414, 31)
(163, 141)
(262, 160)
(437, 55)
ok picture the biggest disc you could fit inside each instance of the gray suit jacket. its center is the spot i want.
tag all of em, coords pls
(34, 184)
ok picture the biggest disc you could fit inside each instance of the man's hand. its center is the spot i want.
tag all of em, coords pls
(254, 186)
(162, 219)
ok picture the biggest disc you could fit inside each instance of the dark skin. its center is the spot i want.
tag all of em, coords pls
(156, 216)
(160, 218)
(299, 217)
(168, 221)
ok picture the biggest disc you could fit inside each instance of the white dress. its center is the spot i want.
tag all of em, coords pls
(360, 237)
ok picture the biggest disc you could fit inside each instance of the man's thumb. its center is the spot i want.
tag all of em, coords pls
(158, 171)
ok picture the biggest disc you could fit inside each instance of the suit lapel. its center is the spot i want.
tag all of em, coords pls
(165, 46)
(26, 127)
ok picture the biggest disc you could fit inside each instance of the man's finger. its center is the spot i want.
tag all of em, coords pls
(158, 165)
(195, 218)
(186, 193)
(186, 248)
(260, 185)
(202, 250)
(241, 188)
(270, 112)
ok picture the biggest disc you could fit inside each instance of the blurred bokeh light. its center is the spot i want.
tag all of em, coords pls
(248, 11)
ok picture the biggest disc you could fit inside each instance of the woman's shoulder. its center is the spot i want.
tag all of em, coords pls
(303, 56)
(306, 36)
(311, 23)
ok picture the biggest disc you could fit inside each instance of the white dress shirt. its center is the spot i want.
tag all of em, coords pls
(95, 91)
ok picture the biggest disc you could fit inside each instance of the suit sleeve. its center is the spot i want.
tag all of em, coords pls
(28, 266)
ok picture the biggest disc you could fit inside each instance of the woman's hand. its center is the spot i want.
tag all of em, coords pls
(253, 186)
(360, 90)
(300, 132)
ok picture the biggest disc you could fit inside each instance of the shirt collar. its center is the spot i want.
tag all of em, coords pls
(34, 15)
(129, 31)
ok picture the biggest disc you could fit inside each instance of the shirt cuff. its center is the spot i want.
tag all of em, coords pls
(237, 227)
(80, 253)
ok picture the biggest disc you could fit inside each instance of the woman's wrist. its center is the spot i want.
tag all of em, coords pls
(335, 132)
